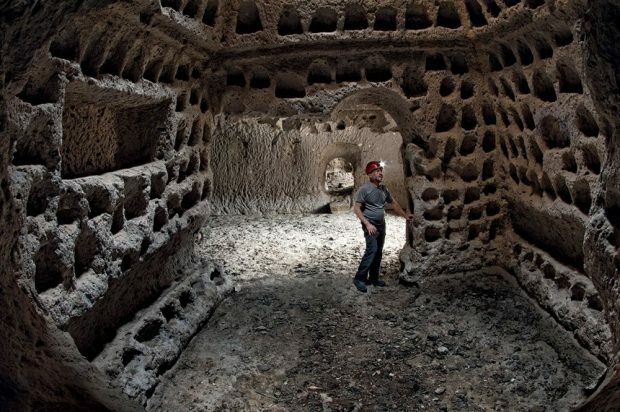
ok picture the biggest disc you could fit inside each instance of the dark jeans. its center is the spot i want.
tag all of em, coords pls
(371, 261)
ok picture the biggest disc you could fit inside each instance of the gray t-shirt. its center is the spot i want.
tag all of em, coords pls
(373, 201)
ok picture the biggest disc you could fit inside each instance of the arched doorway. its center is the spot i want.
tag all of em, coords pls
(397, 109)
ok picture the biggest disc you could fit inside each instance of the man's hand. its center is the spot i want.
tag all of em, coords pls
(357, 208)
(401, 211)
(372, 230)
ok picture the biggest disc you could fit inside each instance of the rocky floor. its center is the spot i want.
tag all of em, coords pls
(299, 337)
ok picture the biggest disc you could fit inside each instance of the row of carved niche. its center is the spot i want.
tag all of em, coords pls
(155, 65)
(375, 69)
(526, 147)
(354, 17)
(570, 189)
(578, 290)
(291, 86)
(73, 206)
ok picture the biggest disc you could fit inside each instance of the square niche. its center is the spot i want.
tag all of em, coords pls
(106, 130)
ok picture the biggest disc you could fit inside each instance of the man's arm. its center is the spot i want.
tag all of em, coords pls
(400, 211)
(357, 208)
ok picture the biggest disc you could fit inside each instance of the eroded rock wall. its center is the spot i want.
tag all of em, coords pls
(553, 145)
(602, 240)
(108, 178)
(40, 368)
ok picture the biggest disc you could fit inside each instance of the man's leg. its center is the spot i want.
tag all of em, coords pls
(367, 259)
(375, 266)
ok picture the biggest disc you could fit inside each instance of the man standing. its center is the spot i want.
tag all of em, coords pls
(369, 207)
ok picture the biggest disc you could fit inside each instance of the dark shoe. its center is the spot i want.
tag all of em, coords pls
(379, 283)
(360, 285)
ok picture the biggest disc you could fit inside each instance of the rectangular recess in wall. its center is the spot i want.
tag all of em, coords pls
(107, 129)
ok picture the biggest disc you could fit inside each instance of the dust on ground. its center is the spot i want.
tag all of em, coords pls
(298, 336)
